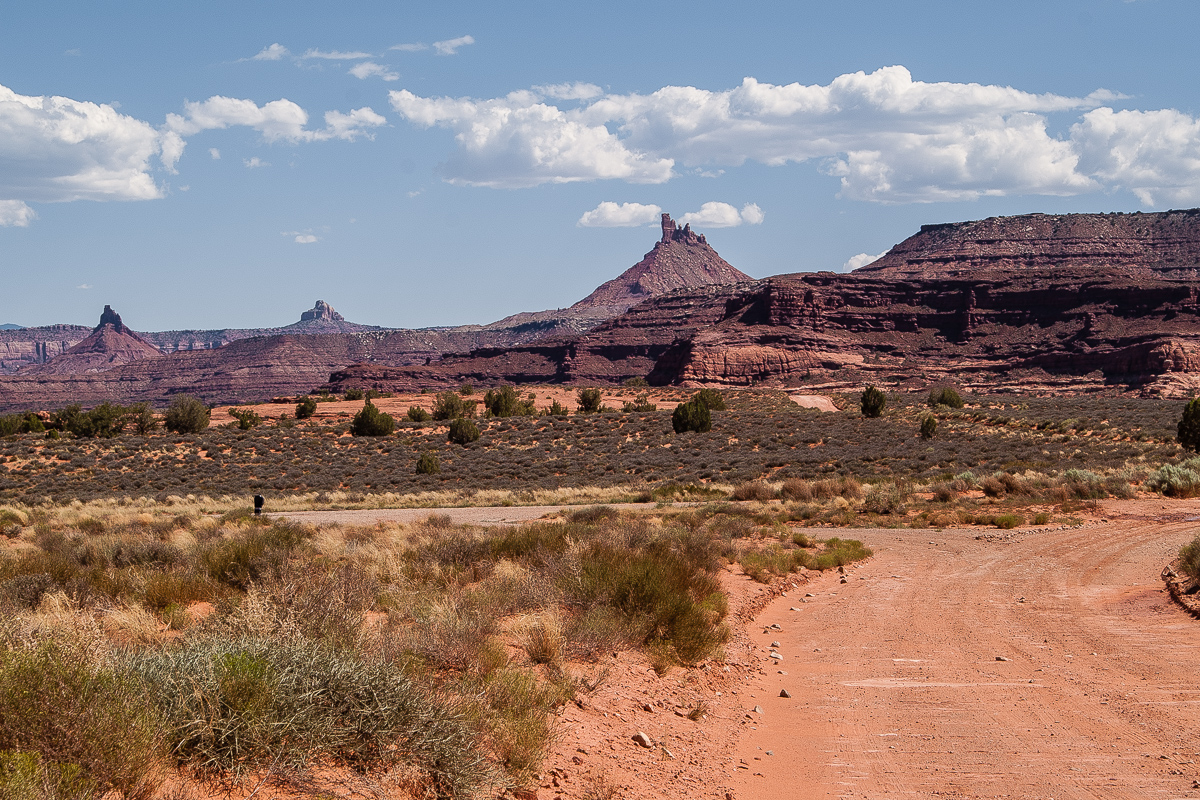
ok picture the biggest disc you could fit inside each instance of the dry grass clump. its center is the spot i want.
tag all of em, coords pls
(763, 564)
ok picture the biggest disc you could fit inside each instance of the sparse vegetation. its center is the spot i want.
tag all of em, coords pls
(873, 402)
(372, 422)
(463, 431)
(186, 414)
(247, 418)
(1188, 431)
(945, 396)
(308, 406)
(588, 400)
(428, 464)
(928, 426)
(694, 416)
(1189, 559)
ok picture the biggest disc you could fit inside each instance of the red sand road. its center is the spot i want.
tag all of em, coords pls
(897, 690)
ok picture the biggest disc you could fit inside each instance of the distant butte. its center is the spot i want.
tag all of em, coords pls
(111, 344)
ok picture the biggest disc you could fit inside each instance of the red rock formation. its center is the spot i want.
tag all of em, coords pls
(681, 259)
(1164, 241)
(110, 345)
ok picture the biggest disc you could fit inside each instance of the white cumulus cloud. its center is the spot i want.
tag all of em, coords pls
(15, 214)
(569, 91)
(254, 162)
(626, 215)
(335, 55)
(58, 149)
(411, 47)
(519, 141)
(723, 215)
(861, 260)
(271, 53)
(887, 137)
(214, 153)
(449, 47)
(278, 120)
(369, 69)
(305, 238)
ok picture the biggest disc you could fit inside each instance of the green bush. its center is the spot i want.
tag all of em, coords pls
(1175, 481)
(104, 421)
(247, 418)
(635, 382)
(308, 406)
(505, 402)
(873, 402)
(428, 464)
(252, 555)
(588, 400)
(418, 414)
(84, 728)
(556, 409)
(928, 426)
(714, 400)
(372, 422)
(141, 416)
(186, 414)
(466, 390)
(450, 405)
(945, 396)
(239, 703)
(691, 416)
(1188, 431)
(1189, 559)
(354, 394)
(641, 403)
(462, 431)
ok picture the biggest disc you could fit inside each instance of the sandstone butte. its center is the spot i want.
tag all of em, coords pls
(249, 364)
(1067, 303)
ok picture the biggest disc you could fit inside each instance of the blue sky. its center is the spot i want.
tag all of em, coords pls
(414, 164)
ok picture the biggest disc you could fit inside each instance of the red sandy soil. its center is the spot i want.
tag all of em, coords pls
(1044, 662)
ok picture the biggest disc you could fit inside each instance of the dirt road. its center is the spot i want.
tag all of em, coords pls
(926, 675)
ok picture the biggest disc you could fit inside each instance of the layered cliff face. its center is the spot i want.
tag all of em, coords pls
(1064, 330)
(1167, 241)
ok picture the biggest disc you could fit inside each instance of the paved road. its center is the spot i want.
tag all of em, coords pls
(897, 690)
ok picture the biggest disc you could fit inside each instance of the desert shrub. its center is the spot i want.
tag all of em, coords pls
(1083, 484)
(640, 404)
(141, 416)
(418, 414)
(943, 492)
(370, 421)
(450, 405)
(588, 400)
(992, 486)
(251, 555)
(556, 409)
(428, 464)
(87, 728)
(1187, 433)
(711, 398)
(104, 421)
(237, 703)
(247, 418)
(1008, 521)
(505, 402)
(872, 401)
(1174, 481)
(945, 396)
(635, 382)
(794, 489)
(186, 414)
(691, 416)
(928, 426)
(754, 490)
(886, 498)
(466, 390)
(308, 406)
(830, 488)
(595, 631)
(462, 431)
(542, 639)
(354, 394)
(665, 590)
(1189, 559)
(838, 553)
